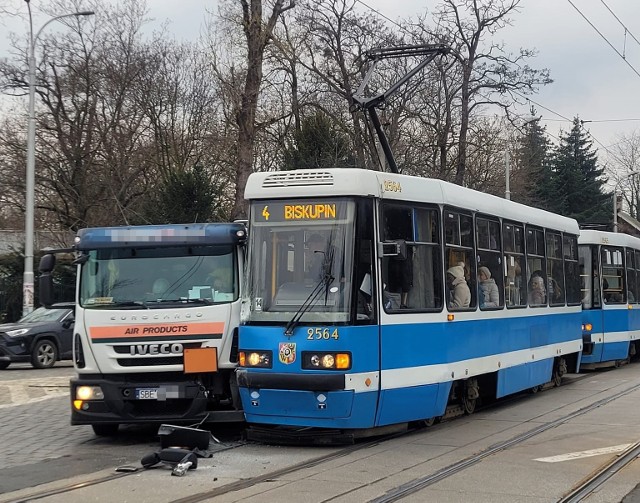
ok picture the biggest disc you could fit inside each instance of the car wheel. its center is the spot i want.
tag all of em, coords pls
(105, 430)
(4, 365)
(44, 354)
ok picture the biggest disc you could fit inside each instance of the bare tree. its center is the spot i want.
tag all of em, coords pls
(626, 155)
(488, 73)
(258, 34)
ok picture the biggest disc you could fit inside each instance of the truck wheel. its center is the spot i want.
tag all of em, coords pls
(44, 354)
(105, 430)
(4, 365)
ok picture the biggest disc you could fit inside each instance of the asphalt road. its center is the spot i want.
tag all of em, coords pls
(38, 443)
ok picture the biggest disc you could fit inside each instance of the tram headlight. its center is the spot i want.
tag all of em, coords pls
(326, 360)
(587, 327)
(260, 359)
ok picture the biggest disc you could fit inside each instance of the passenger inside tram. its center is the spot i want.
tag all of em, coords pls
(488, 294)
(459, 292)
(537, 291)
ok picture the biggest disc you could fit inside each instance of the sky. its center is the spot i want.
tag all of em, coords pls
(591, 80)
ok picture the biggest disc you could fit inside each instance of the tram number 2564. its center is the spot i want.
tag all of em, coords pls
(314, 334)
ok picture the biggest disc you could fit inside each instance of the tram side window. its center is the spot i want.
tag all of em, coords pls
(536, 267)
(571, 269)
(412, 282)
(515, 291)
(459, 260)
(636, 290)
(555, 271)
(632, 297)
(490, 285)
(613, 288)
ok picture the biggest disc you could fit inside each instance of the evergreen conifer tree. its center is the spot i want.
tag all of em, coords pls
(318, 144)
(184, 196)
(576, 185)
(533, 168)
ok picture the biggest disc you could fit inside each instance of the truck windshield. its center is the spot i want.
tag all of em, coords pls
(141, 278)
(296, 246)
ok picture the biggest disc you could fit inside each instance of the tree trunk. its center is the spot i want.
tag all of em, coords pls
(258, 35)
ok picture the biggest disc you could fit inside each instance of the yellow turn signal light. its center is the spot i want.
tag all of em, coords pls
(343, 361)
(587, 327)
(450, 317)
(77, 404)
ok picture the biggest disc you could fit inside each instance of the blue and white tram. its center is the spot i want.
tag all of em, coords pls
(609, 271)
(373, 337)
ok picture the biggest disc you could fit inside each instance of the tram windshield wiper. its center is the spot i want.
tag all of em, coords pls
(326, 280)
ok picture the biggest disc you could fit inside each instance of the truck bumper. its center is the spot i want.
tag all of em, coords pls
(182, 402)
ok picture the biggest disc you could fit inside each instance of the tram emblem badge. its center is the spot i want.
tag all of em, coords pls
(287, 352)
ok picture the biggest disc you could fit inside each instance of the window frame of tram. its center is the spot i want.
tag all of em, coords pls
(514, 264)
(489, 255)
(589, 277)
(555, 269)
(615, 291)
(364, 308)
(632, 275)
(411, 283)
(571, 270)
(535, 249)
(459, 248)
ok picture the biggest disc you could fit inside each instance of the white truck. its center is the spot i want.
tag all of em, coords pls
(156, 331)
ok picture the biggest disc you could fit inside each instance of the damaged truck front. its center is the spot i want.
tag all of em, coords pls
(157, 313)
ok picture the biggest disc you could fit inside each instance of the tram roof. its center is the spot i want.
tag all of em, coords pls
(595, 237)
(153, 236)
(361, 182)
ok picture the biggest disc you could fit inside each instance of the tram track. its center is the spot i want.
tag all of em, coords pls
(103, 479)
(395, 494)
(417, 484)
(421, 483)
(607, 471)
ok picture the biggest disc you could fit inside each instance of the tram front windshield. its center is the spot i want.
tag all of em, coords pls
(301, 260)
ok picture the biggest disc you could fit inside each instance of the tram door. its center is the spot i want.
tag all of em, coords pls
(592, 313)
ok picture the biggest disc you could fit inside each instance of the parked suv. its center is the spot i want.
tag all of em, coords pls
(42, 337)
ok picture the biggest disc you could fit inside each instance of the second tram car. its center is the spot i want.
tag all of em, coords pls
(378, 299)
(609, 272)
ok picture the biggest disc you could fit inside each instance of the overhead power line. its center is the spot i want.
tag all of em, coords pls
(604, 38)
(627, 30)
(562, 117)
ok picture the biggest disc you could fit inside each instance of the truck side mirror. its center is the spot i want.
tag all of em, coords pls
(45, 281)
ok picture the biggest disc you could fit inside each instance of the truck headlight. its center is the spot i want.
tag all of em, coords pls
(89, 393)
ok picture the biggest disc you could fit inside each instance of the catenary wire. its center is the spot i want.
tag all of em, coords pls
(621, 23)
(519, 94)
(604, 38)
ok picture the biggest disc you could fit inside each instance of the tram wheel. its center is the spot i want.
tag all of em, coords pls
(559, 369)
(429, 422)
(469, 395)
(468, 405)
(535, 389)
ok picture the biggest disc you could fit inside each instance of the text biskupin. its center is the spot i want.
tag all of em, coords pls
(309, 211)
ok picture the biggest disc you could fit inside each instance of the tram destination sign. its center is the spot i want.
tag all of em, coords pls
(299, 210)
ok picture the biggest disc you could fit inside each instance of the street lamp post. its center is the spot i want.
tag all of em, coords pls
(28, 279)
(615, 198)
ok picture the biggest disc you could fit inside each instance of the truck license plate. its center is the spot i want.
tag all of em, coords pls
(146, 393)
